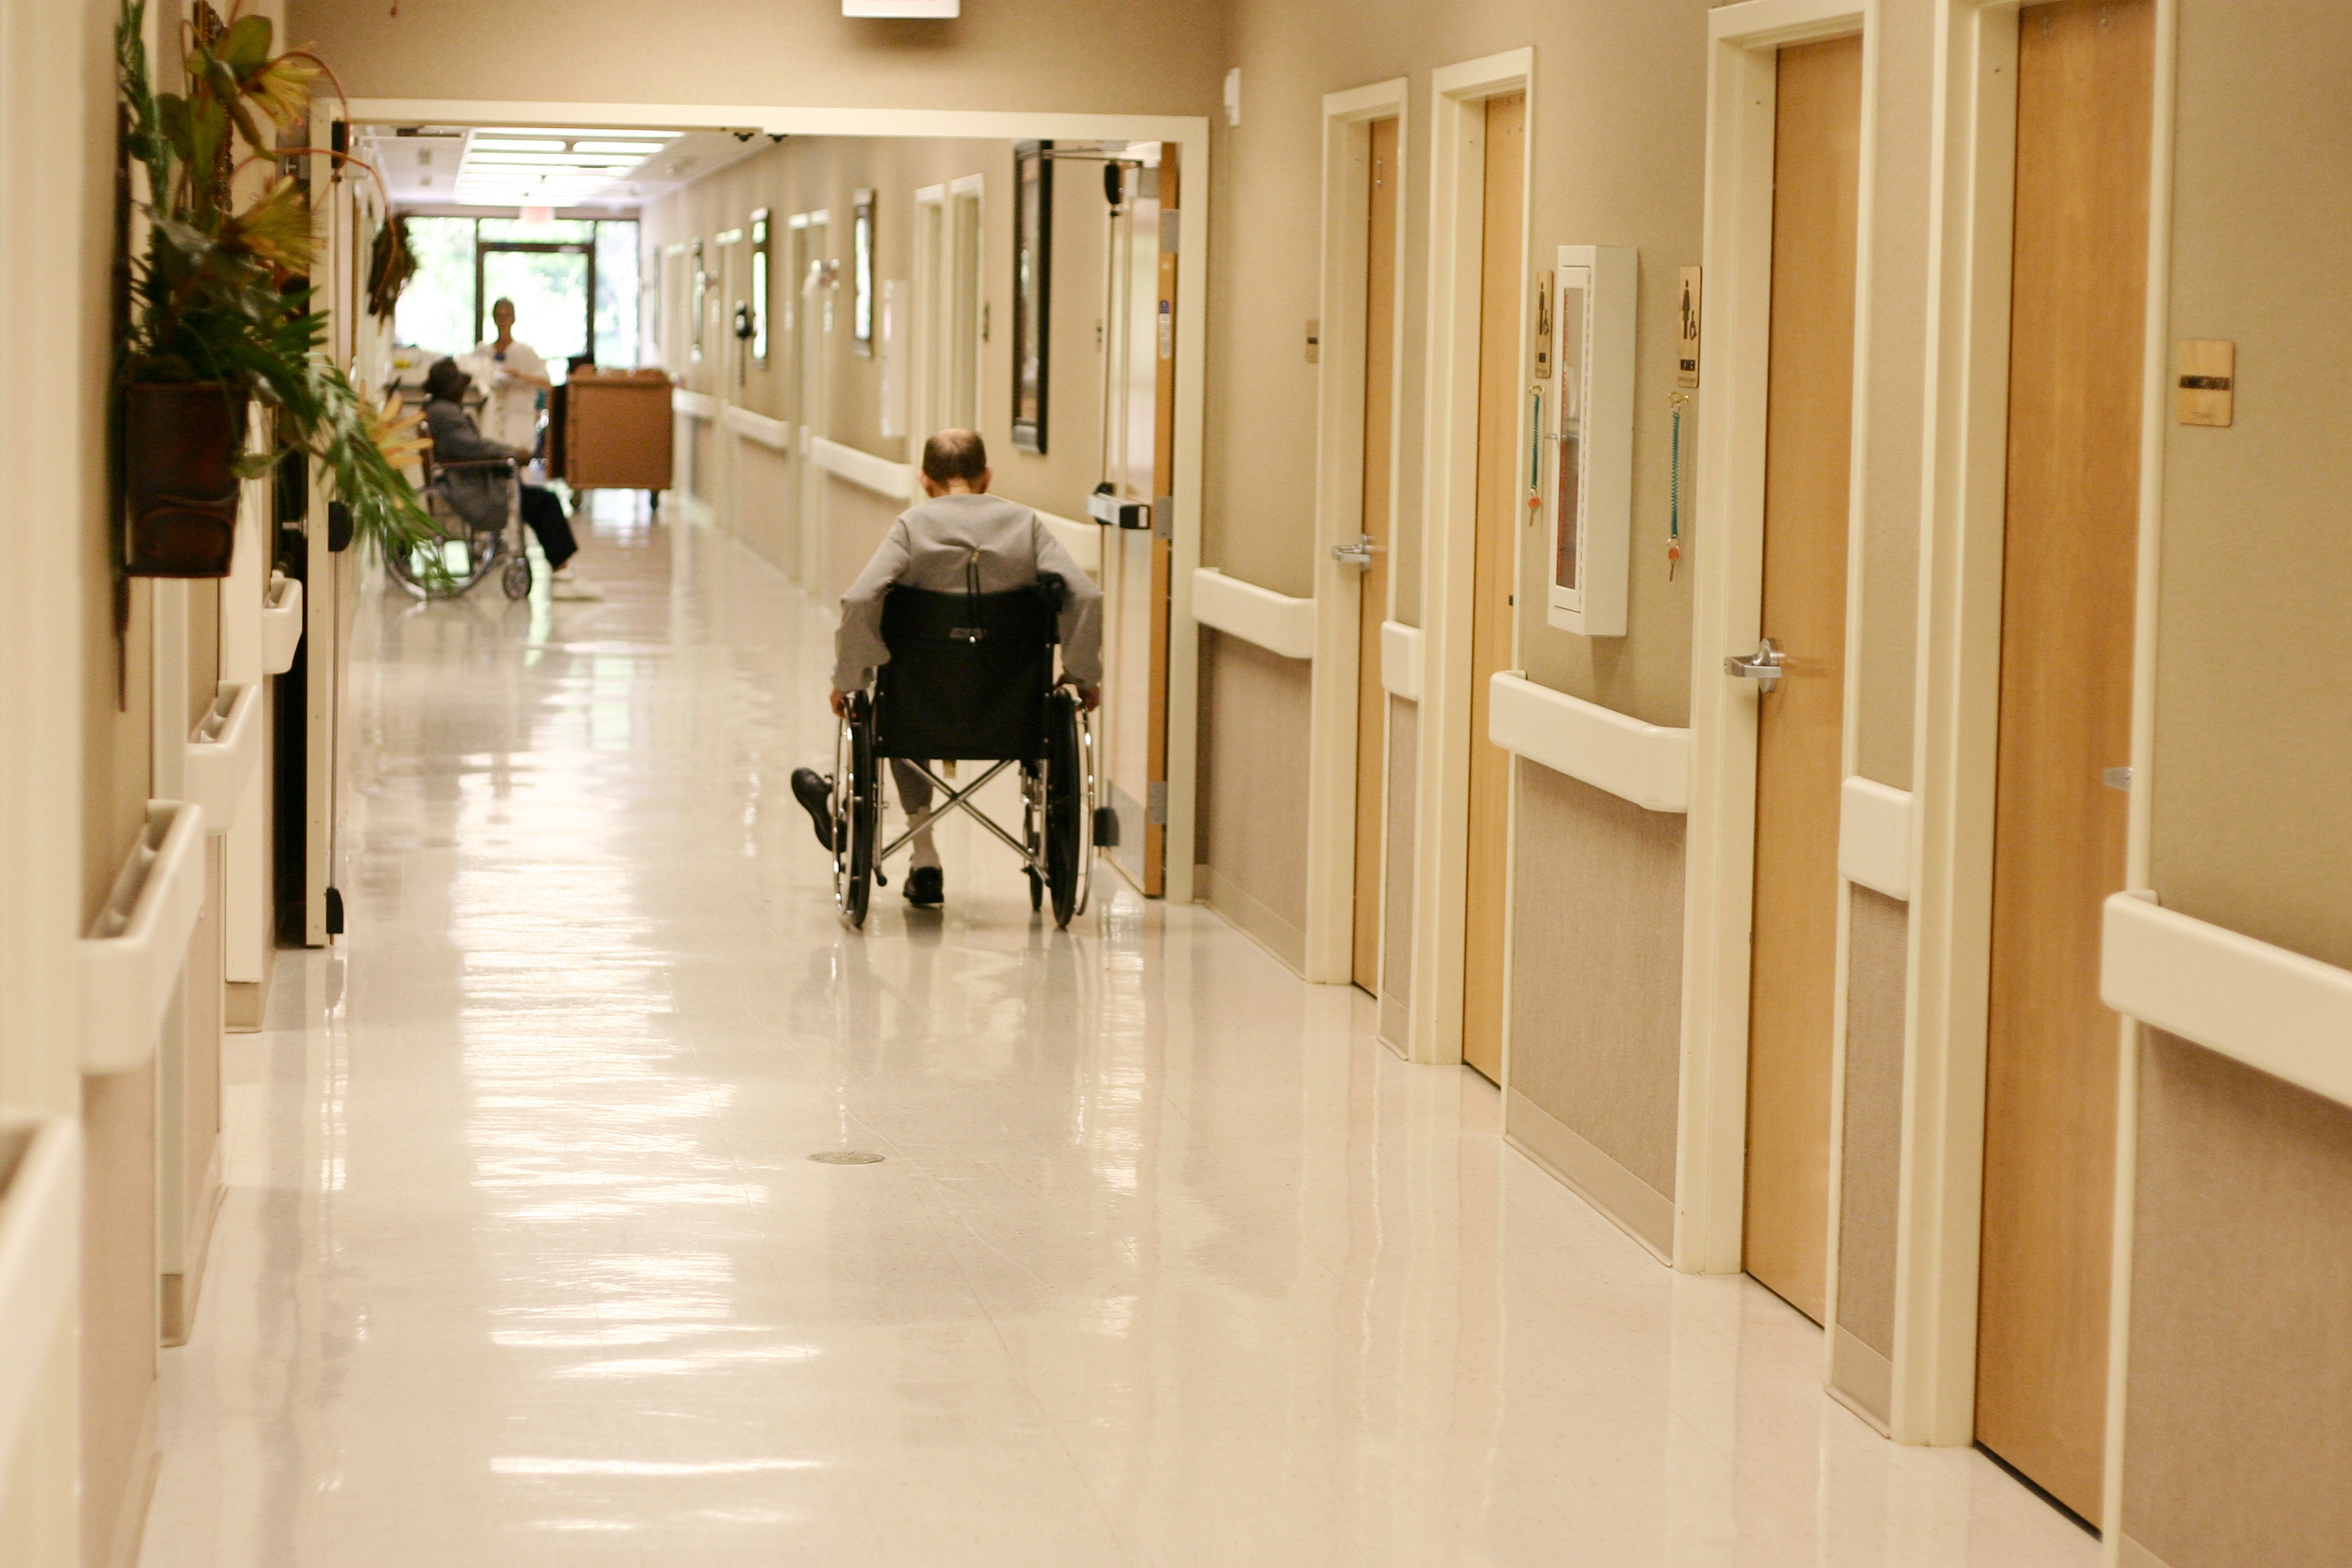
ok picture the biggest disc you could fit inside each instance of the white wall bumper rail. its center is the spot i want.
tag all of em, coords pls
(1644, 763)
(880, 475)
(223, 753)
(2287, 1015)
(281, 623)
(1275, 622)
(759, 428)
(1081, 540)
(1400, 659)
(1874, 837)
(699, 404)
(131, 960)
(40, 1250)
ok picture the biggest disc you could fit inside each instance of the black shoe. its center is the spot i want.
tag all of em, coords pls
(923, 888)
(814, 792)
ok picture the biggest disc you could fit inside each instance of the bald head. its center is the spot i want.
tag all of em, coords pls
(956, 455)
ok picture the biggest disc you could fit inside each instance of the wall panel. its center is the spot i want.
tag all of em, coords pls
(1256, 706)
(1596, 985)
(2240, 1402)
(1396, 915)
(1878, 939)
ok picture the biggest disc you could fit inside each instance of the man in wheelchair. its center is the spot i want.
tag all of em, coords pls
(944, 651)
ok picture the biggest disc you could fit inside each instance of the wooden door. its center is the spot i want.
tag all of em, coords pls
(1502, 276)
(1808, 422)
(1139, 442)
(1373, 592)
(2084, 80)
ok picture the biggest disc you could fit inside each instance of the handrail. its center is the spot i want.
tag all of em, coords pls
(701, 405)
(880, 475)
(222, 753)
(1400, 659)
(773, 434)
(1081, 540)
(1275, 622)
(281, 623)
(2277, 1011)
(40, 1241)
(1874, 837)
(130, 963)
(1648, 764)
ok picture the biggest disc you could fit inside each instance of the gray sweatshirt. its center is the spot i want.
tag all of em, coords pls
(932, 545)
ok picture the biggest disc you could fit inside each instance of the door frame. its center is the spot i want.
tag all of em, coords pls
(1347, 119)
(1188, 132)
(1744, 43)
(1449, 533)
(1964, 493)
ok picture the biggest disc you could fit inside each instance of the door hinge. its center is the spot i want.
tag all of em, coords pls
(1155, 803)
(1163, 518)
(1172, 231)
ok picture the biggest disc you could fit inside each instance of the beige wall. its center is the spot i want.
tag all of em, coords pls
(1072, 55)
(823, 174)
(1617, 119)
(1871, 1137)
(2239, 1392)
(2253, 821)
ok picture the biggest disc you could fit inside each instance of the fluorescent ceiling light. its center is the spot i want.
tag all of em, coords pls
(515, 144)
(642, 148)
(632, 135)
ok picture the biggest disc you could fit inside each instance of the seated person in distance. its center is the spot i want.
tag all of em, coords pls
(938, 545)
(478, 496)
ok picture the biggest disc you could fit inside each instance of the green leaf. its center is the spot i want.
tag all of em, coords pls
(245, 47)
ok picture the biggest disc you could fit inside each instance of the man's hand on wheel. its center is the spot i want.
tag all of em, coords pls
(1089, 697)
(841, 705)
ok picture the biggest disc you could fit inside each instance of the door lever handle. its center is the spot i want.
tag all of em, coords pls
(1357, 553)
(1765, 668)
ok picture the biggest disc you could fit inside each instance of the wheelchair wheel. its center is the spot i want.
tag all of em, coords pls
(469, 556)
(515, 580)
(1069, 803)
(856, 812)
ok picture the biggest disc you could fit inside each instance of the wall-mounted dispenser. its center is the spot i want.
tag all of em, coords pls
(1585, 438)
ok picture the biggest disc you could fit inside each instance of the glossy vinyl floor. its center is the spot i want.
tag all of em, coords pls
(524, 1260)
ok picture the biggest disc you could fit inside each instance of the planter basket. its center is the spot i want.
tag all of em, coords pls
(180, 442)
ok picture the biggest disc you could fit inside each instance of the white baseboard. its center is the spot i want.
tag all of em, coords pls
(1638, 1208)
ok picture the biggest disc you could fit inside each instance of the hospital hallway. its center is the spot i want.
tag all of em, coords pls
(531, 1252)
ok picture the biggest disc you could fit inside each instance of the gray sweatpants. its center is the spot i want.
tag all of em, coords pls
(914, 799)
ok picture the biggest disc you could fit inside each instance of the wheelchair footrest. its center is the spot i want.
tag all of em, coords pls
(1105, 828)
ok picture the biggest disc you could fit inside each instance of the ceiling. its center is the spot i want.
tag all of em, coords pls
(554, 166)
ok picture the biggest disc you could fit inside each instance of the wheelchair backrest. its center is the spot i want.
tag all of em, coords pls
(968, 673)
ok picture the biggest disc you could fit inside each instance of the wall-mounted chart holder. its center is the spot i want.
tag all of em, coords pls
(1587, 488)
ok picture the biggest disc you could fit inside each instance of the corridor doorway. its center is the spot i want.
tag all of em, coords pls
(1143, 185)
(1372, 586)
(1502, 281)
(2085, 97)
(1809, 421)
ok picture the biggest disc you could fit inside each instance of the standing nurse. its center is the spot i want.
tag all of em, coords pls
(511, 418)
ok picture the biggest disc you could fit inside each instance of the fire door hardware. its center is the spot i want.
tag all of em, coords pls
(1764, 667)
(1581, 467)
(1357, 553)
(1107, 509)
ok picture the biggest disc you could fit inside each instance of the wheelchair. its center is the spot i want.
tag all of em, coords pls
(476, 505)
(971, 679)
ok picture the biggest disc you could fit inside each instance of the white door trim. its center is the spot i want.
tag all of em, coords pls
(1347, 119)
(1449, 535)
(1710, 1175)
(1189, 133)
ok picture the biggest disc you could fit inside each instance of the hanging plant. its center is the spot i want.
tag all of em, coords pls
(391, 264)
(221, 312)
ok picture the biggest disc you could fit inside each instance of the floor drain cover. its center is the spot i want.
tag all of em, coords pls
(846, 1157)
